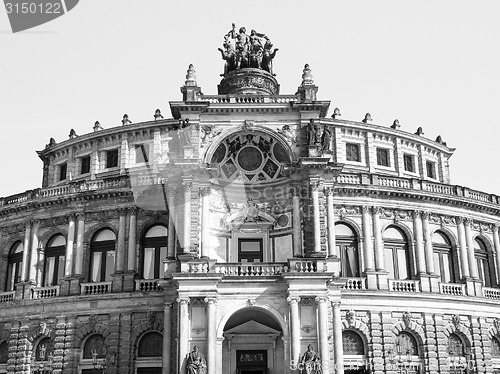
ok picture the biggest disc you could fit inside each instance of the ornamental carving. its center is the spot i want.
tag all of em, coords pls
(290, 135)
(496, 323)
(407, 319)
(350, 317)
(307, 328)
(455, 319)
(207, 134)
(307, 301)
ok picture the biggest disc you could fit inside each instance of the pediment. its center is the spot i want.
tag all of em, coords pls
(252, 328)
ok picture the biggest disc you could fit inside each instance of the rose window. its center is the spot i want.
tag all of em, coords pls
(250, 157)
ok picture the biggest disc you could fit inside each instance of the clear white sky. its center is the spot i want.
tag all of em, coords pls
(434, 64)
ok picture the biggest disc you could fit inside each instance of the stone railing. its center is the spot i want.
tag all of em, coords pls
(97, 288)
(44, 292)
(352, 283)
(455, 289)
(308, 265)
(399, 285)
(147, 285)
(250, 269)
(416, 184)
(248, 99)
(7, 297)
(491, 293)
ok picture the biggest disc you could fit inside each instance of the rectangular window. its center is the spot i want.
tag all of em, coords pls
(431, 169)
(112, 158)
(409, 163)
(352, 152)
(383, 157)
(141, 153)
(63, 168)
(250, 250)
(85, 163)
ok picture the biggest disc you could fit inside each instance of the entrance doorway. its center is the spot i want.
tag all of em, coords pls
(251, 361)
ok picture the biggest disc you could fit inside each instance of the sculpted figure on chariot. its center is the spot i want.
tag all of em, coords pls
(247, 51)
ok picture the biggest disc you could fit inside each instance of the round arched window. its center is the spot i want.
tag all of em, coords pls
(14, 269)
(150, 345)
(153, 252)
(94, 347)
(55, 255)
(102, 256)
(347, 247)
(396, 256)
(352, 343)
(485, 267)
(443, 259)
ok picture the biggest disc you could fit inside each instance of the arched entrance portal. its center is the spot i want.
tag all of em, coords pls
(252, 343)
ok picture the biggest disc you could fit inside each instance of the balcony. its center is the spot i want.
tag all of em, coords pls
(97, 288)
(44, 292)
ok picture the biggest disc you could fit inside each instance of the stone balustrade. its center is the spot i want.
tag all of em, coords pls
(250, 269)
(400, 285)
(6, 297)
(97, 288)
(455, 289)
(44, 292)
(147, 285)
(491, 293)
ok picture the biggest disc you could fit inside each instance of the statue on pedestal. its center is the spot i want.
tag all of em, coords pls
(310, 362)
(196, 363)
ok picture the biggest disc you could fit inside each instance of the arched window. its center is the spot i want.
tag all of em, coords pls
(396, 256)
(407, 344)
(485, 266)
(54, 260)
(352, 343)
(15, 266)
(4, 352)
(347, 247)
(495, 348)
(457, 354)
(443, 259)
(102, 256)
(44, 350)
(150, 345)
(95, 347)
(154, 251)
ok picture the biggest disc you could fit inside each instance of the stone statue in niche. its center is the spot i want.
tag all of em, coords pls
(196, 363)
(310, 361)
(326, 138)
(313, 133)
(185, 132)
(247, 51)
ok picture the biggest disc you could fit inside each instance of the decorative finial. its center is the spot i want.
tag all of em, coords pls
(72, 134)
(52, 142)
(307, 77)
(158, 115)
(336, 113)
(419, 132)
(368, 117)
(440, 140)
(190, 76)
(395, 124)
(97, 126)
(125, 120)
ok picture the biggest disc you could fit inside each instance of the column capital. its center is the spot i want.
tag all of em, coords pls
(495, 227)
(377, 210)
(366, 209)
(293, 299)
(28, 224)
(335, 303)
(133, 211)
(460, 220)
(122, 212)
(172, 191)
(182, 300)
(167, 305)
(321, 299)
(416, 214)
(316, 185)
(426, 215)
(187, 185)
(211, 300)
(329, 191)
(468, 221)
(205, 190)
(81, 216)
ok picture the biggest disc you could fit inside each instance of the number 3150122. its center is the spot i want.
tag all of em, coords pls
(24, 8)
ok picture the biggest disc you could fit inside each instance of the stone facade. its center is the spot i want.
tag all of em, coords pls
(251, 226)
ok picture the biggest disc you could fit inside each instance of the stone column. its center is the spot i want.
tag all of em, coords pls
(367, 239)
(330, 215)
(34, 252)
(316, 217)
(462, 242)
(167, 337)
(183, 332)
(80, 235)
(172, 192)
(120, 250)
(338, 350)
(323, 333)
(68, 269)
(470, 250)
(294, 328)
(187, 217)
(419, 243)
(132, 239)
(211, 334)
(379, 244)
(26, 250)
(429, 252)
(205, 224)
(496, 243)
(297, 224)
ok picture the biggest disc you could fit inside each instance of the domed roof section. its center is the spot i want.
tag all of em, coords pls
(249, 64)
